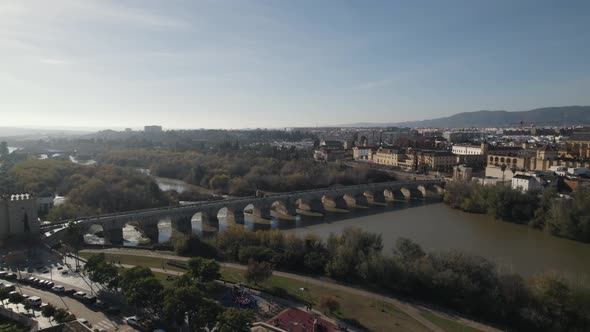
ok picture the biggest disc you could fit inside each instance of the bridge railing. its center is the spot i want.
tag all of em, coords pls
(231, 201)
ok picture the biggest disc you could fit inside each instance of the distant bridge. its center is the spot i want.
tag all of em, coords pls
(285, 204)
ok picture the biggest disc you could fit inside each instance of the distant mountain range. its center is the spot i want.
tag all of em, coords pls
(548, 116)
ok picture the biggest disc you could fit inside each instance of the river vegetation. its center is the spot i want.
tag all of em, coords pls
(88, 190)
(565, 217)
(464, 283)
(241, 171)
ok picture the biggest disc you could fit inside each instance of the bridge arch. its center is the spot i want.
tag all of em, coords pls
(283, 208)
(93, 234)
(310, 205)
(334, 202)
(206, 221)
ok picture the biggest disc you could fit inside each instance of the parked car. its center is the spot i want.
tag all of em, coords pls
(90, 299)
(10, 275)
(49, 284)
(133, 321)
(70, 292)
(84, 321)
(35, 301)
(113, 310)
(79, 295)
(101, 304)
(7, 286)
(3, 274)
(58, 289)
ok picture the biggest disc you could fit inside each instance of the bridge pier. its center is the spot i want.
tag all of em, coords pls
(285, 209)
(262, 212)
(336, 202)
(235, 216)
(209, 221)
(313, 206)
(182, 225)
(150, 230)
(113, 236)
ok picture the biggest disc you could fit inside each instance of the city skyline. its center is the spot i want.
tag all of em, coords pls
(268, 64)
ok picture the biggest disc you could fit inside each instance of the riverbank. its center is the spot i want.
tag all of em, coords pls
(513, 248)
(373, 311)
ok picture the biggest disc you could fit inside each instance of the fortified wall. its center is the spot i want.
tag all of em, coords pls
(18, 217)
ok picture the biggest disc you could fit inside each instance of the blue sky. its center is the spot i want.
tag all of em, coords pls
(248, 64)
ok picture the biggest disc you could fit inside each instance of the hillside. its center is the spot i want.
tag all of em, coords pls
(548, 116)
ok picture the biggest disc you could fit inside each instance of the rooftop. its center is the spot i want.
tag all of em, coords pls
(291, 318)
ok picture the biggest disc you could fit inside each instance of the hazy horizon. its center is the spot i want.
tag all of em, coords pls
(259, 64)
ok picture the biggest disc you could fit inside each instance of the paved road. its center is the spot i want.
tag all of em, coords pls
(410, 309)
(96, 318)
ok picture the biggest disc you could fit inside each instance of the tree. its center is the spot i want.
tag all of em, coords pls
(101, 271)
(4, 294)
(188, 302)
(62, 316)
(48, 311)
(503, 168)
(29, 306)
(258, 271)
(16, 298)
(329, 304)
(234, 320)
(203, 269)
(73, 238)
(141, 288)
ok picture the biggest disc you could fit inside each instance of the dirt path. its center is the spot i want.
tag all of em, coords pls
(410, 309)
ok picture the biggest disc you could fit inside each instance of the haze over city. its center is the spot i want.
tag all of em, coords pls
(254, 64)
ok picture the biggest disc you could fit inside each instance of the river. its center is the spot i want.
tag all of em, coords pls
(514, 248)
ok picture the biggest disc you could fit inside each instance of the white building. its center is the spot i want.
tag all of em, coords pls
(526, 183)
(467, 150)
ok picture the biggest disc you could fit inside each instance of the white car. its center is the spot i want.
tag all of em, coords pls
(58, 289)
(132, 320)
(84, 321)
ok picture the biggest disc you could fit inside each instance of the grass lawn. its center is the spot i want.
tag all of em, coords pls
(138, 260)
(446, 324)
(371, 314)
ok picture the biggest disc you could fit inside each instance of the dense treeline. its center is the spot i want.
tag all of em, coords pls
(559, 216)
(466, 283)
(243, 171)
(88, 190)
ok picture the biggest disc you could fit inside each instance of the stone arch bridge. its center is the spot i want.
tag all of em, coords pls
(317, 201)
